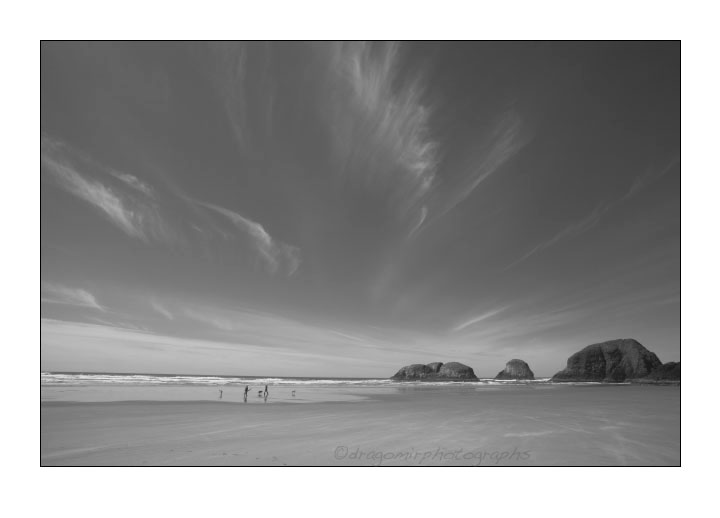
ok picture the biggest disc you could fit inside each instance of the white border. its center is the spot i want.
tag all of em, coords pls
(590, 492)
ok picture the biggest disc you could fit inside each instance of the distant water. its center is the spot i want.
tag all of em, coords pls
(55, 379)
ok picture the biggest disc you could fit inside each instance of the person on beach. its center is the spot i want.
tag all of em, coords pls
(265, 394)
(220, 393)
(247, 389)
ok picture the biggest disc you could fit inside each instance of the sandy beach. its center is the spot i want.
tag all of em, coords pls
(542, 424)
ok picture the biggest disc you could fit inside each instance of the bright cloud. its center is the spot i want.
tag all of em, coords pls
(135, 215)
(275, 254)
(58, 294)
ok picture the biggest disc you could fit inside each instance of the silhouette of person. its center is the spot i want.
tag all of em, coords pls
(247, 389)
(220, 393)
(265, 394)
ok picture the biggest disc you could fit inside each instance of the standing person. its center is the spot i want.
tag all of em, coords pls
(220, 393)
(247, 389)
(265, 394)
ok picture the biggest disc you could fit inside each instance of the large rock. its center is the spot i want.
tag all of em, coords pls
(516, 370)
(665, 373)
(613, 361)
(416, 371)
(452, 371)
(455, 370)
(434, 367)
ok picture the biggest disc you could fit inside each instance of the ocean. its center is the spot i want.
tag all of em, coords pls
(51, 379)
(98, 387)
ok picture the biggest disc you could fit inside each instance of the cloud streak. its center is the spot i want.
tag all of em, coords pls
(421, 220)
(218, 322)
(59, 294)
(134, 182)
(508, 137)
(581, 226)
(162, 310)
(276, 255)
(573, 230)
(134, 214)
(132, 207)
(650, 176)
(279, 332)
(99, 196)
(506, 140)
(230, 81)
(382, 130)
(479, 318)
(73, 345)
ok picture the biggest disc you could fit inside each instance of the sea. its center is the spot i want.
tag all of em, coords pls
(106, 386)
(53, 379)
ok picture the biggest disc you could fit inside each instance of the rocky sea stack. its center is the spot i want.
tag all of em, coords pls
(437, 371)
(516, 370)
(667, 373)
(613, 361)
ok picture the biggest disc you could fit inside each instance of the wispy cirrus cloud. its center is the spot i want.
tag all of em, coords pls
(647, 178)
(217, 321)
(581, 226)
(523, 326)
(134, 182)
(382, 131)
(479, 318)
(99, 196)
(132, 212)
(276, 255)
(421, 219)
(230, 80)
(52, 293)
(572, 230)
(161, 309)
(590, 312)
(507, 138)
(131, 205)
(247, 90)
(70, 345)
(274, 331)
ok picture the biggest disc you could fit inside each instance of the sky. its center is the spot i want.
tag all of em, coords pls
(344, 209)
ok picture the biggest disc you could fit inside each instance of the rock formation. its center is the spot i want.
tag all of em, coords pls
(434, 367)
(416, 371)
(455, 370)
(516, 370)
(665, 373)
(437, 371)
(613, 361)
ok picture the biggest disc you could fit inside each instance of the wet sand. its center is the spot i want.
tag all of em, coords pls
(413, 425)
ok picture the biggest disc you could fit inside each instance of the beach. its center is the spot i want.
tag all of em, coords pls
(454, 424)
